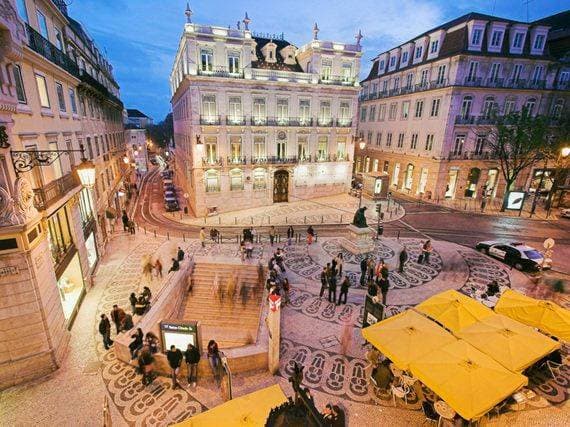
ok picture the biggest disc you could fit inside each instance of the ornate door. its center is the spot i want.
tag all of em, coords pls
(281, 186)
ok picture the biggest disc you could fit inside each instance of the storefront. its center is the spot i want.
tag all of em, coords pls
(71, 288)
(91, 246)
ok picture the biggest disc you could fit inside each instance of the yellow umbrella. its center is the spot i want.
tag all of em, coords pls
(512, 344)
(405, 337)
(468, 380)
(249, 410)
(453, 310)
(544, 315)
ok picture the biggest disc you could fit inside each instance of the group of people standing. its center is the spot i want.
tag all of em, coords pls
(375, 276)
(128, 223)
(331, 276)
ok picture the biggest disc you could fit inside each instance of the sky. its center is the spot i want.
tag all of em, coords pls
(140, 37)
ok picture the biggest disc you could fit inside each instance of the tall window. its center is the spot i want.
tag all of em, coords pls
(325, 112)
(434, 45)
(59, 39)
(557, 108)
(537, 74)
(42, 91)
(495, 72)
(212, 180)
(382, 112)
(19, 83)
(414, 141)
(389, 139)
(466, 107)
(42, 23)
(434, 112)
(347, 71)
(344, 113)
(22, 11)
(488, 107)
(259, 111)
(429, 142)
(236, 179)
(424, 78)
(529, 106)
(518, 40)
(393, 111)
(409, 80)
(259, 179)
(480, 144)
(72, 100)
(283, 110)
(419, 108)
(472, 74)
(496, 38)
(304, 111)
(326, 69)
(404, 57)
(281, 149)
(405, 109)
(378, 139)
(259, 147)
(211, 149)
(363, 111)
(209, 111)
(235, 148)
(322, 148)
(302, 147)
(341, 148)
(233, 62)
(401, 140)
(396, 83)
(372, 115)
(409, 177)
(476, 36)
(235, 115)
(458, 145)
(539, 42)
(419, 50)
(440, 75)
(517, 71)
(60, 97)
(57, 169)
(207, 59)
(509, 106)
(392, 61)
(97, 149)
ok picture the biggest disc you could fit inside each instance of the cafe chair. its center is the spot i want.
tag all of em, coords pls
(401, 392)
(444, 411)
(429, 412)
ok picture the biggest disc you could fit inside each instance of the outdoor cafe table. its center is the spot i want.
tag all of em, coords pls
(512, 344)
(468, 380)
(406, 337)
(453, 310)
(544, 315)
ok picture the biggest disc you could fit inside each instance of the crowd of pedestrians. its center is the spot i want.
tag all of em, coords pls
(331, 276)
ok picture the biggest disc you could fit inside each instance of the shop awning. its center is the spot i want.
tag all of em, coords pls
(249, 410)
(514, 345)
(544, 315)
(406, 337)
(453, 310)
(468, 380)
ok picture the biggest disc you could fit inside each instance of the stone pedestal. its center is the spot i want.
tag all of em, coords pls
(359, 240)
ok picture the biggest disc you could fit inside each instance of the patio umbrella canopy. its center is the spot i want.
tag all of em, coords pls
(453, 310)
(512, 344)
(249, 410)
(406, 337)
(468, 380)
(544, 315)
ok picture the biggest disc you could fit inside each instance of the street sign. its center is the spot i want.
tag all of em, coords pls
(548, 243)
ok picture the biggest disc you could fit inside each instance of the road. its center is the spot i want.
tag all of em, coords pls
(422, 220)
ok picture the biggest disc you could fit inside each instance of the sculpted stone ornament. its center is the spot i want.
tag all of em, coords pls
(359, 218)
(8, 215)
(25, 199)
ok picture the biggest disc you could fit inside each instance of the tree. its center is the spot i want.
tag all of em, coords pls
(161, 133)
(518, 141)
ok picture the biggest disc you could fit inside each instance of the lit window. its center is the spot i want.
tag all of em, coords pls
(212, 181)
(42, 91)
(322, 148)
(236, 179)
(259, 179)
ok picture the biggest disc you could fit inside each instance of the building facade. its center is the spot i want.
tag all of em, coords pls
(428, 105)
(259, 121)
(57, 94)
(137, 150)
(137, 119)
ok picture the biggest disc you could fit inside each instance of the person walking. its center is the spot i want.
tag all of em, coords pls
(272, 234)
(117, 316)
(174, 357)
(180, 254)
(105, 331)
(403, 259)
(339, 261)
(426, 251)
(192, 357)
(152, 341)
(214, 359)
(324, 282)
(231, 287)
(158, 268)
(332, 288)
(133, 301)
(131, 225)
(344, 290)
(384, 285)
(202, 237)
(290, 235)
(175, 265)
(137, 343)
(145, 364)
(363, 268)
(125, 219)
(286, 288)
(127, 323)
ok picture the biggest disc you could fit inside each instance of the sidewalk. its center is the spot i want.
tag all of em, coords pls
(338, 209)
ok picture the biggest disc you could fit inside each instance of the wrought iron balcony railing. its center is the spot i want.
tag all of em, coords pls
(212, 161)
(220, 72)
(50, 193)
(209, 120)
(45, 48)
(337, 80)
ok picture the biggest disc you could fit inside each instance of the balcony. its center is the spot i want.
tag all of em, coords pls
(212, 161)
(337, 80)
(236, 160)
(209, 120)
(87, 79)
(273, 160)
(235, 121)
(50, 193)
(472, 155)
(221, 72)
(325, 122)
(477, 120)
(41, 45)
(343, 123)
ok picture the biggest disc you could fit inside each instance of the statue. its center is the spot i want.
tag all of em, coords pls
(359, 218)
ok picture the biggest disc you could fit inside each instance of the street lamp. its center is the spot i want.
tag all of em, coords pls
(362, 143)
(86, 172)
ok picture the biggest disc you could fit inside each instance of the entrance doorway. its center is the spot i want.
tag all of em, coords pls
(451, 183)
(472, 181)
(281, 186)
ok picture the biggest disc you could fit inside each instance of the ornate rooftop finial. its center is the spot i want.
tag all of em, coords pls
(246, 21)
(315, 32)
(188, 13)
(358, 37)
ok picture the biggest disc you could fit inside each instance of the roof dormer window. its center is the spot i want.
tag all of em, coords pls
(476, 36)
(269, 52)
(496, 38)
(405, 57)
(392, 61)
(419, 50)
(382, 64)
(434, 46)
(518, 40)
(539, 42)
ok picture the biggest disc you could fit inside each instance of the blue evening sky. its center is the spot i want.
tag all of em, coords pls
(141, 36)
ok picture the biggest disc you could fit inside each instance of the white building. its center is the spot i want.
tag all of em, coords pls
(259, 121)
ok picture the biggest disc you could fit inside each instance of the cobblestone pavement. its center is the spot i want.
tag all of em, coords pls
(337, 209)
(311, 330)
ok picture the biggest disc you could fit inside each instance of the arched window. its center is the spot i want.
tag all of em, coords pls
(212, 180)
(259, 180)
(409, 176)
(510, 105)
(236, 179)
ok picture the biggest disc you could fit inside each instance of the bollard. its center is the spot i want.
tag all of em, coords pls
(340, 222)
(279, 238)
(183, 237)
(305, 220)
(145, 230)
(220, 220)
(154, 233)
(235, 220)
(167, 235)
(322, 219)
(391, 212)
(398, 234)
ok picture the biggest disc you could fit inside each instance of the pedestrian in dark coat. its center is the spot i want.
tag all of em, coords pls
(174, 357)
(192, 357)
(145, 364)
(131, 226)
(332, 288)
(343, 290)
(105, 331)
(133, 301)
(363, 268)
(175, 265)
(137, 342)
(324, 282)
(180, 254)
(125, 219)
(403, 259)
(384, 285)
(290, 235)
(117, 316)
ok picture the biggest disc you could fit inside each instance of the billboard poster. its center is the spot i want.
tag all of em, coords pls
(179, 334)
(515, 200)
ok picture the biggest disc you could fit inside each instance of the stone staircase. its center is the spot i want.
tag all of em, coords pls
(231, 323)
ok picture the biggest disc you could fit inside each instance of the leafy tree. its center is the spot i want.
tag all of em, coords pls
(162, 132)
(519, 141)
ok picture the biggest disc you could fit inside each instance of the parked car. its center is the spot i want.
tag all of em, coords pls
(168, 194)
(167, 181)
(565, 213)
(168, 187)
(166, 174)
(171, 204)
(515, 254)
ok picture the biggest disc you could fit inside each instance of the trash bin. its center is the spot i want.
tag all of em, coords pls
(380, 230)
(185, 210)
